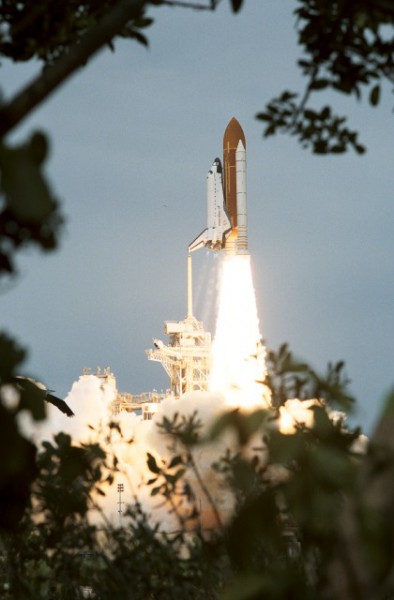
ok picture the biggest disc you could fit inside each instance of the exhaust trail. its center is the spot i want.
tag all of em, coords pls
(238, 356)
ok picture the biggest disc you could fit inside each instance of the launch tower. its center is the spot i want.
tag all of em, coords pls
(187, 357)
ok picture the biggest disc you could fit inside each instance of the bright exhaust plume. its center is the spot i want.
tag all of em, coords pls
(238, 356)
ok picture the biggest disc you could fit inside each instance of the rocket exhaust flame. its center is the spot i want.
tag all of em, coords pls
(238, 357)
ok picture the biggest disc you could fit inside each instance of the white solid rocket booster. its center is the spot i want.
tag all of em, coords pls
(240, 166)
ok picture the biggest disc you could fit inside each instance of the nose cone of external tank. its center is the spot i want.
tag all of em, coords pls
(232, 135)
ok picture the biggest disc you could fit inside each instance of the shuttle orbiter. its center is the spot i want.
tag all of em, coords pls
(218, 222)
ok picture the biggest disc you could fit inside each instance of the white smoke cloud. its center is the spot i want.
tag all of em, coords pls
(90, 399)
(237, 381)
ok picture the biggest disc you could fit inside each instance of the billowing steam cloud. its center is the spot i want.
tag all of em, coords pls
(90, 399)
(237, 380)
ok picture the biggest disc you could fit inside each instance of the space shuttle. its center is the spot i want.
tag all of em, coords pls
(226, 197)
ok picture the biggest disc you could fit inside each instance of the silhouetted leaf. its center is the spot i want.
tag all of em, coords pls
(245, 587)
(374, 96)
(236, 5)
(152, 465)
(17, 471)
(31, 397)
(175, 461)
(38, 147)
(319, 84)
(28, 196)
(12, 356)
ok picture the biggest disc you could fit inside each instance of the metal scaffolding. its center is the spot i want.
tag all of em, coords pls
(144, 405)
(187, 358)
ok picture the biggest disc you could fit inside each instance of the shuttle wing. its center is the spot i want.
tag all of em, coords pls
(200, 241)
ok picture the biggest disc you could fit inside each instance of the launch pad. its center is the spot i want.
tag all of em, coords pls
(187, 357)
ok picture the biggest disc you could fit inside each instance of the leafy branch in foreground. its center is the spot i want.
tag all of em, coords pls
(290, 378)
(312, 516)
(172, 479)
(29, 213)
(321, 131)
(348, 48)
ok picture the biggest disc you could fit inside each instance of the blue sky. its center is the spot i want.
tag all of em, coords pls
(132, 137)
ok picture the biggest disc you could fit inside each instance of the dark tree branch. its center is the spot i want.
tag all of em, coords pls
(54, 75)
(300, 108)
(194, 5)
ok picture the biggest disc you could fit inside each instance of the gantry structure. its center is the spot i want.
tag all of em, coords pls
(187, 357)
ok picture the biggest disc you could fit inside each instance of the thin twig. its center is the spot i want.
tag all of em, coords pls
(205, 490)
(193, 5)
(304, 99)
